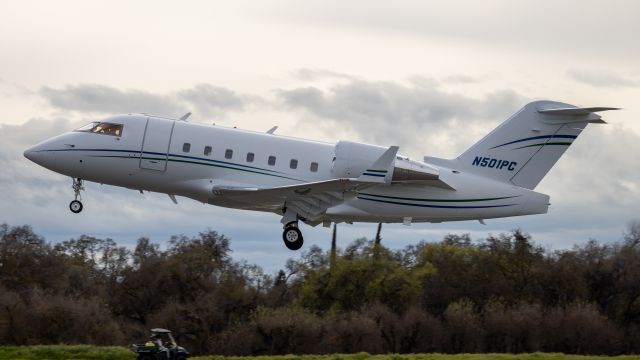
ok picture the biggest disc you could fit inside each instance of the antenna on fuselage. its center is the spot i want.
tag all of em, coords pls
(272, 130)
(185, 116)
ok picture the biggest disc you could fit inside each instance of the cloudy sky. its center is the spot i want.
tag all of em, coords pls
(432, 77)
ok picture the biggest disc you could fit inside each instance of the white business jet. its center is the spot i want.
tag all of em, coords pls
(317, 182)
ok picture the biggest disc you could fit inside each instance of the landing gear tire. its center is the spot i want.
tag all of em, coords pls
(292, 238)
(75, 206)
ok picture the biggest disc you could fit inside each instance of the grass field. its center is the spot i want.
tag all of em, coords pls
(365, 356)
(64, 352)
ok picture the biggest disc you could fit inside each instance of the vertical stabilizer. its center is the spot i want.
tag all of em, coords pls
(525, 147)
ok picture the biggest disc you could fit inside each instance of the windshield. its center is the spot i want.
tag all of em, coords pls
(102, 128)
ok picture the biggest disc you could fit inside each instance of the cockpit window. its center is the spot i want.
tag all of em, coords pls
(102, 128)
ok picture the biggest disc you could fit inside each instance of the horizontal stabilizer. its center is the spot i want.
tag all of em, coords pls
(575, 111)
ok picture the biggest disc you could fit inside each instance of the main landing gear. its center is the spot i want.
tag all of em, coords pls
(76, 206)
(292, 236)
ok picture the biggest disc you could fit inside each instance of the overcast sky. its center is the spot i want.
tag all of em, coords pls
(430, 76)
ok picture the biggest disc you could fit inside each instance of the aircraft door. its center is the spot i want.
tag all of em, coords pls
(155, 144)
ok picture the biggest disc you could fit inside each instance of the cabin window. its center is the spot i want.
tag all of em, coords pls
(272, 160)
(228, 154)
(186, 147)
(207, 150)
(314, 167)
(293, 164)
(250, 157)
(104, 128)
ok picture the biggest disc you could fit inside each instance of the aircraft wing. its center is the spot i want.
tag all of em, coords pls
(310, 200)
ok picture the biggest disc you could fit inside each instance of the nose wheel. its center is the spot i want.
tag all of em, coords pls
(76, 206)
(292, 236)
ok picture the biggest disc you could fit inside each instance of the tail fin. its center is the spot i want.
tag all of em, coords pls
(525, 147)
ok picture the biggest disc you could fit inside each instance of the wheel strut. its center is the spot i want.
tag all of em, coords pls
(76, 205)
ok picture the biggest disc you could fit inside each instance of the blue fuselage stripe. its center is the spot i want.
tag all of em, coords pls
(538, 137)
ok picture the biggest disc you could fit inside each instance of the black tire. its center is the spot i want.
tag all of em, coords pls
(75, 206)
(146, 357)
(292, 238)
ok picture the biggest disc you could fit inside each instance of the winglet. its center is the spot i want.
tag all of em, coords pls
(382, 169)
(185, 116)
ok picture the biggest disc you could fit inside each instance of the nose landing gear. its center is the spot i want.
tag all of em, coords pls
(292, 236)
(76, 206)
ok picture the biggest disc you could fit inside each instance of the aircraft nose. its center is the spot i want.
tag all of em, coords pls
(29, 153)
(34, 154)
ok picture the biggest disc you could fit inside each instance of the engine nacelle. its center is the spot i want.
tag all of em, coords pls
(351, 159)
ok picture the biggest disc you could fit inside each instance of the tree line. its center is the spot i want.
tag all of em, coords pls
(503, 293)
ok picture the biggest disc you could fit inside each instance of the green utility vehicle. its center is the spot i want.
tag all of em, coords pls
(161, 346)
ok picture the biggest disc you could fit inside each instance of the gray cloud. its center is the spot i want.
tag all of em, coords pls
(601, 78)
(105, 99)
(209, 99)
(423, 119)
(597, 183)
(306, 74)
(594, 188)
(388, 112)
(38, 197)
(459, 79)
(206, 99)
